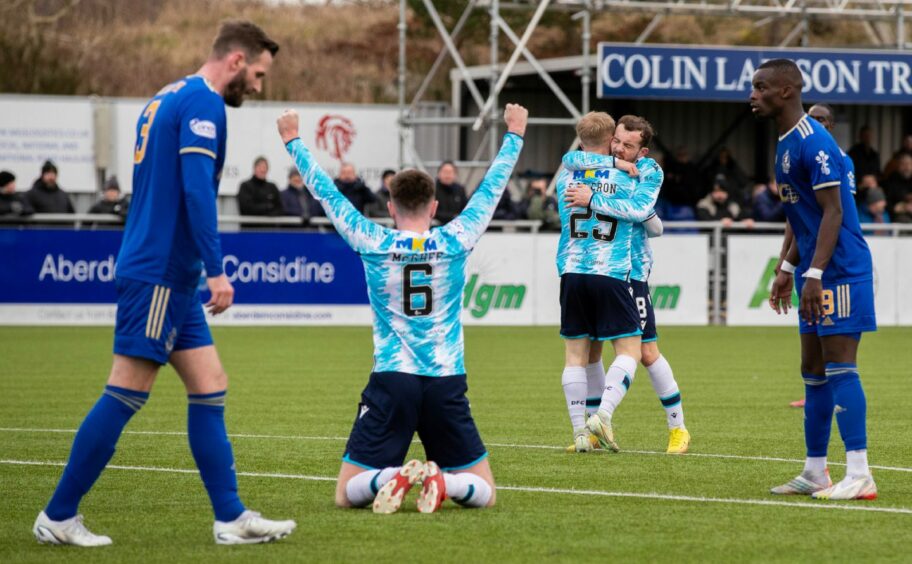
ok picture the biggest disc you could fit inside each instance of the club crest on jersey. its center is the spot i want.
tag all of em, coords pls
(786, 162)
(788, 194)
(851, 176)
(822, 158)
(416, 244)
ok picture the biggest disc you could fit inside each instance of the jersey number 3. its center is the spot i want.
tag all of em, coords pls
(410, 291)
(148, 116)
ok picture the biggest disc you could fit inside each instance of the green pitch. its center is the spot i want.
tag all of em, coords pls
(292, 399)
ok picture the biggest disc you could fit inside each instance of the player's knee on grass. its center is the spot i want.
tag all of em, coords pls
(650, 353)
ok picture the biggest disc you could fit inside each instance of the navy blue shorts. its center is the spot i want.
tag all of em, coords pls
(848, 308)
(154, 320)
(597, 307)
(395, 405)
(645, 309)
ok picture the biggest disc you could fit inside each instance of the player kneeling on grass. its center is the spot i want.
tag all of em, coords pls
(415, 279)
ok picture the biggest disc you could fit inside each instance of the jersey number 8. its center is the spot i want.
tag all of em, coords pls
(411, 291)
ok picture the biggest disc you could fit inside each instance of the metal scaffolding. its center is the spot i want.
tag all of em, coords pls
(881, 19)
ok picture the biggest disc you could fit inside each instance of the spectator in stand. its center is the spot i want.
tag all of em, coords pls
(12, 203)
(451, 196)
(766, 205)
(46, 196)
(900, 182)
(865, 157)
(724, 164)
(538, 205)
(902, 213)
(378, 208)
(875, 208)
(353, 188)
(111, 200)
(905, 148)
(866, 183)
(259, 196)
(681, 189)
(296, 200)
(718, 205)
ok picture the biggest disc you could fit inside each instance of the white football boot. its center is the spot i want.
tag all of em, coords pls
(69, 531)
(852, 487)
(251, 528)
(804, 484)
(600, 426)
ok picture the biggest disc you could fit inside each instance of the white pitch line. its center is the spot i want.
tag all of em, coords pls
(529, 489)
(497, 445)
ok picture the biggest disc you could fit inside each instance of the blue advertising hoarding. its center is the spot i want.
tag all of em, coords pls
(724, 73)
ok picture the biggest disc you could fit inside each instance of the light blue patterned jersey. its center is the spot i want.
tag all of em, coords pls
(415, 281)
(618, 213)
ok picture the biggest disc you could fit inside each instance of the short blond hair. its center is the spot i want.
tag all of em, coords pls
(595, 129)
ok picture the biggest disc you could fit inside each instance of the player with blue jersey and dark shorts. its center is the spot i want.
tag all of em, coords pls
(836, 285)
(631, 143)
(415, 280)
(597, 304)
(171, 234)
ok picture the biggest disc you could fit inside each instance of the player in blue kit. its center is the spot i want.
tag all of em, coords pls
(415, 279)
(170, 235)
(597, 303)
(836, 287)
(631, 144)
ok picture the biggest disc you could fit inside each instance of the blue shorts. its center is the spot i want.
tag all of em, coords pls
(154, 320)
(645, 309)
(597, 307)
(848, 308)
(395, 405)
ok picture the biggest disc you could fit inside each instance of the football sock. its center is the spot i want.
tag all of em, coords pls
(93, 447)
(212, 453)
(595, 377)
(362, 488)
(815, 466)
(857, 463)
(663, 382)
(818, 414)
(617, 382)
(851, 408)
(467, 489)
(574, 382)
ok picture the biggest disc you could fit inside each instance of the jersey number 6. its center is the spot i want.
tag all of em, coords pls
(411, 291)
(596, 232)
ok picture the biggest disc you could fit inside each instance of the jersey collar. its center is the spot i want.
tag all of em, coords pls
(794, 127)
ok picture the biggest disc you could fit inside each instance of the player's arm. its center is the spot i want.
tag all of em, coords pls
(360, 233)
(635, 209)
(653, 226)
(469, 225)
(781, 291)
(581, 160)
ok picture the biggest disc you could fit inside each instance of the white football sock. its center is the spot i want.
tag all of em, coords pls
(857, 463)
(815, 466)
(467, 489)
(574, 382)
(362, 488)
(617, 381)
(595, 376)
(666, 388)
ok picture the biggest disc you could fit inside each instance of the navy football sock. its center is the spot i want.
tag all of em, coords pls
(851, 407)
(818, 414)
(93, 447)
(212, 452)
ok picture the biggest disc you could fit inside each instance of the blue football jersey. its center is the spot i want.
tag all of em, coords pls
(172, 228)
(850, 170)
(631, 207)
(415, 281)
(808, 159)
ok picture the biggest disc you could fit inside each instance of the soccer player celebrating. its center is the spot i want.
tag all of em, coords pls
(836, 287)
(170, 235)
(597, 303)
(631, 143)
(415, 280)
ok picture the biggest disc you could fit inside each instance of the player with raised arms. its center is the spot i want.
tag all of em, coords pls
(836, 287)
(631, 143)
(171, 234)
(415, 279)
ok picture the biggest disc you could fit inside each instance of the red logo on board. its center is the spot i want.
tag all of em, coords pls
(335, 135)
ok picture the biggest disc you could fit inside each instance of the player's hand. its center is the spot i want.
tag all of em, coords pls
(222, 294)
(811, 308)
(627, 167)
(288, 125)
(578, 195)
(517, 117)
(781, 293)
